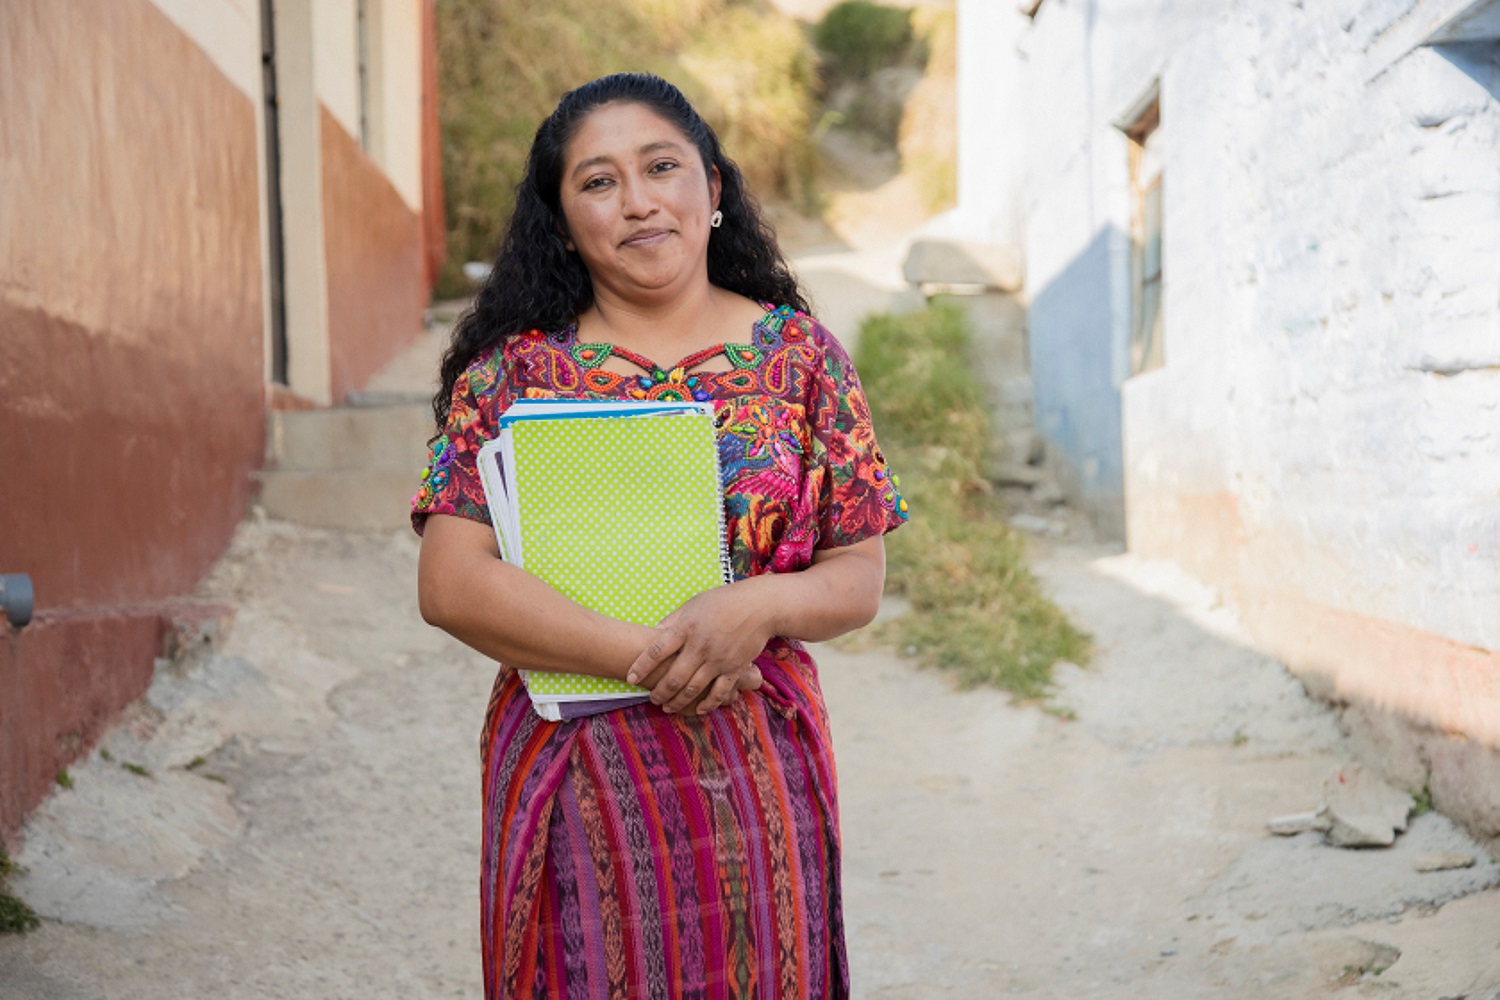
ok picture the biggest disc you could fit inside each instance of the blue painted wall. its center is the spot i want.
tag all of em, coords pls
(1076, 398)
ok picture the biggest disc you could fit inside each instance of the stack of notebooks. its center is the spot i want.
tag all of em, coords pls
(618, 505)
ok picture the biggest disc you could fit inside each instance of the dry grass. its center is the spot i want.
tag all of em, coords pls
(504, 65)
(928, 139)
(976, 608)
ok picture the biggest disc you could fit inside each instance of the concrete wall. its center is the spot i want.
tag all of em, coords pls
(991, 131)
(131, 392)
(1323, 443)
(335, 29)
(434, 225)
(395, 141)
(1081, 65)
(377, 285)
(134, 304)
(358, 272)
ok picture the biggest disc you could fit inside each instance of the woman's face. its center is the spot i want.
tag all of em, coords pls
(637, 200)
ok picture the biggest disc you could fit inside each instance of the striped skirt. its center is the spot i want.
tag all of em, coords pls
(637, 854)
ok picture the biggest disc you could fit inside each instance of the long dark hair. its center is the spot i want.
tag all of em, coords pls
(537, 283)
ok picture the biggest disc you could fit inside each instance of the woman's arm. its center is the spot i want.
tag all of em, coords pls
(465, 589)
(698, 651)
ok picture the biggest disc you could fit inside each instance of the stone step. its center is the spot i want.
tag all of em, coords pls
(359, 499)
(388, 438)
(353, 467)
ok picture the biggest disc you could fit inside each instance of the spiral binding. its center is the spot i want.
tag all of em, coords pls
(724, 564)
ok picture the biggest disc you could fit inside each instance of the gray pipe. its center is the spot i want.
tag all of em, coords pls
(16, 599)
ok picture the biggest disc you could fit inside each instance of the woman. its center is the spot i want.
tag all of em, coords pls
(687, 847)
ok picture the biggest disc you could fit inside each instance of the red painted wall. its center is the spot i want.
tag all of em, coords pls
(131, 372)
(374, 251)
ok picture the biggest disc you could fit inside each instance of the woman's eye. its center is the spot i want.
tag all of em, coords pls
(594, 183)
(662, 166)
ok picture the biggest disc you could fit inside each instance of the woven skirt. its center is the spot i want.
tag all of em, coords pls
(639, 854)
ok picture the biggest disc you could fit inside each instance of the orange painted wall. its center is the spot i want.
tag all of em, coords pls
(131, 376)
(374, 249)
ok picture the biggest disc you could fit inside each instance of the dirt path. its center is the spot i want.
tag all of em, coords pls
(990, 849)
(995, 849)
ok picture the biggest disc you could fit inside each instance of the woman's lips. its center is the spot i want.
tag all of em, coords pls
(647, 238)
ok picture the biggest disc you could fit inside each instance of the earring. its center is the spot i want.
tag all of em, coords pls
(717, 219)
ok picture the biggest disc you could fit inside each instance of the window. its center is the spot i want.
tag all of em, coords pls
(1146, 347)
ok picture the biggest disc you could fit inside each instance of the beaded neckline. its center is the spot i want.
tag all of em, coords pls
(680, 381)
(741, 356)
(656, 371)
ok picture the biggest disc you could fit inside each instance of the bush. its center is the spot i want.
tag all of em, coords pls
(861, 37)
(976, 608)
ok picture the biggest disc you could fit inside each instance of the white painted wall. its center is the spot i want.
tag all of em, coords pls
(1329, 239)
(299, 54)
(335, 28)
(990, 125)
(1332, 263)
(396, 95)
(228, 31)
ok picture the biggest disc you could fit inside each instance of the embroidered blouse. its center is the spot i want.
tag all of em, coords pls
(797, 451)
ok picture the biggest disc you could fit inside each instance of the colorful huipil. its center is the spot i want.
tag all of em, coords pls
(639, 854)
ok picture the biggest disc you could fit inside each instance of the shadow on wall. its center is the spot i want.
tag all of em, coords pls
(1477, 60)
(1077, 397)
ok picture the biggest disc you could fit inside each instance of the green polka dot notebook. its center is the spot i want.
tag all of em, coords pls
(616, 505)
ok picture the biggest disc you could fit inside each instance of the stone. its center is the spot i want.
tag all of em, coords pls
(960, 262)
(1025, 445)
(1293, 824)
(1443, 861)
(1008, 474)
(1048, 492)
(1017, 391)
(1361, 810)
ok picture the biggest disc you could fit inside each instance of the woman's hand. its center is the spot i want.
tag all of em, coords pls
(725, 690)
(703, 653)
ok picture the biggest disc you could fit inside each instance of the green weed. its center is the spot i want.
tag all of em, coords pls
(1355, 971)
(976, 607)
(64, 779)
(136, 769)
(15, 916)
(1421, 802)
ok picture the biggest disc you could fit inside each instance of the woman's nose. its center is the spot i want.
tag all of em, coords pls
(636, 199)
